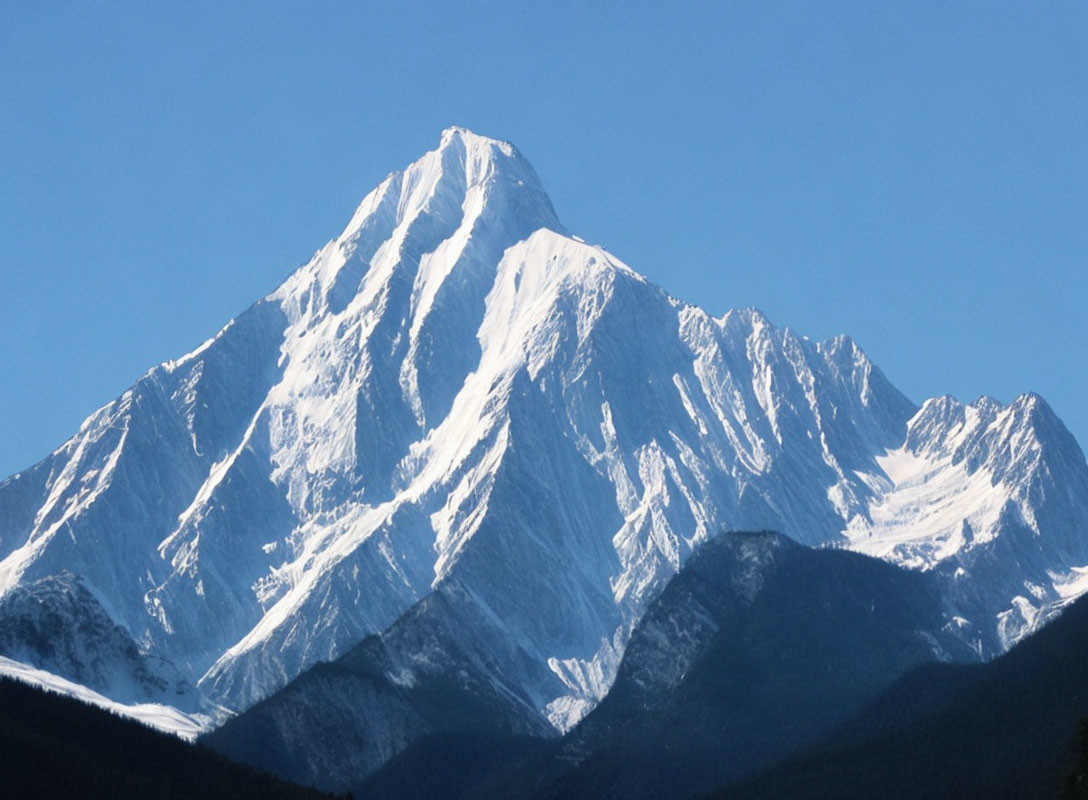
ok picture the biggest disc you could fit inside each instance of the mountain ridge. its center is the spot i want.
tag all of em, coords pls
(457, 389)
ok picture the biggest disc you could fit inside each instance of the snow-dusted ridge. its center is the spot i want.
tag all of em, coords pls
(161, 717)
(457, 390)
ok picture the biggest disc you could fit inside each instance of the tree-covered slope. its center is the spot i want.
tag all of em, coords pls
(57, 747)
(997, 730)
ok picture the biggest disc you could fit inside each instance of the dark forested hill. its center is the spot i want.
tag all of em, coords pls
(1006, 729)
(57, 747)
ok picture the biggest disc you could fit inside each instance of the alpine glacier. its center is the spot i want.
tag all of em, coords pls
(457, 391)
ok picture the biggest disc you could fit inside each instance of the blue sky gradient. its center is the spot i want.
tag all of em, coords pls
(915, 176)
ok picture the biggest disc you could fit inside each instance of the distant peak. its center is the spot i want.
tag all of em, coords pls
(843, 346)
(469, 139)
(1032, 406)
(987, 404)
(1030, 400)
(944, 410)
(943, 401)
(437, 183)
(749, 318)
(476, 159)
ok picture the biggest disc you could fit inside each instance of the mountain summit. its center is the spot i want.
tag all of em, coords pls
(457, 399)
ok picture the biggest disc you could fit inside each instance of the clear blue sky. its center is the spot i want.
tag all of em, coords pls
(914, 176)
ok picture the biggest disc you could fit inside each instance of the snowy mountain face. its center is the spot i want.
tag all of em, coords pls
(993, 498)
(456, 392)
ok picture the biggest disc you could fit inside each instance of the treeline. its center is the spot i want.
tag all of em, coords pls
(56, 746)
(1013, 728)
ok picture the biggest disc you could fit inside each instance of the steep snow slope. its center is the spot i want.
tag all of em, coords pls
(454, 389)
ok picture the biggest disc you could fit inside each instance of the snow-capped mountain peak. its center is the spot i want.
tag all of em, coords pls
(456, 395)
